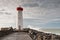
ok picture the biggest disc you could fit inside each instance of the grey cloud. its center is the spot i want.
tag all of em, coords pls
(9, 3)
(43, 3)
(3, 11)
(28, 1)
(50, 4)
(31, 5)
(32, 1)
(7, 13)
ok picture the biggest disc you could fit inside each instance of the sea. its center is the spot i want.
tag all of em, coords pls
(54, 31)
(30, 23)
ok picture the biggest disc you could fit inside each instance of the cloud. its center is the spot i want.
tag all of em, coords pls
(41, 11)
(31, 5)
(7, 19)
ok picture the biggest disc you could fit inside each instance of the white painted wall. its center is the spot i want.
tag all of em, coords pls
(20, 19)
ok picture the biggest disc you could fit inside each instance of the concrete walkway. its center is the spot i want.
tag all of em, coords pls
(17, 36)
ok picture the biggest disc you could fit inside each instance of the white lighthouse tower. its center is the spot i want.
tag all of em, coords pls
(20, 17)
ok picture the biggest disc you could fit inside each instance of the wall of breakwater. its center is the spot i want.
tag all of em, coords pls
(34, 34)
(39, 35)
(5, 31)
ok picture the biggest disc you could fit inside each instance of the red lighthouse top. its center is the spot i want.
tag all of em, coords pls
(19, 9)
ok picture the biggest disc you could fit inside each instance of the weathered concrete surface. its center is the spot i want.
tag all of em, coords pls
(17, 36)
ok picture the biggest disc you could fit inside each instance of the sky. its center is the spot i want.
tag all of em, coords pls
(40, 14)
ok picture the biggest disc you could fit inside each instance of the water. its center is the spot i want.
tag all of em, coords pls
(35, 24)
(54, 31)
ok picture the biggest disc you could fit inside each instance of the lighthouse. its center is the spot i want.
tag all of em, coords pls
(20, 17)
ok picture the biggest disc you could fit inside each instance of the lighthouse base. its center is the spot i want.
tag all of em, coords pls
(19, 28)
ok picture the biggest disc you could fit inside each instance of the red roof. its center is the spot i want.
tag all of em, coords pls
(19, 9)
